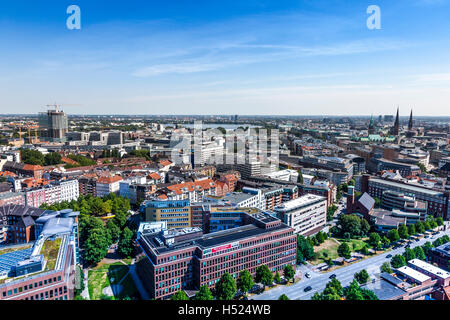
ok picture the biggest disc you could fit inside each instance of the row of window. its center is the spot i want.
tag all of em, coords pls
(30, 286)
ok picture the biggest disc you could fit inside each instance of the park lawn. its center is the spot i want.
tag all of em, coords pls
(327, 250)
(103, 276)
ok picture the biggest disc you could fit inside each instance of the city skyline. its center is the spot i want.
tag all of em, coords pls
(203, 57)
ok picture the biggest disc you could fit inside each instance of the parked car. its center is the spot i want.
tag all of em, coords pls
(389, 256)
(333, 276)
(308, 275)
(308, 288)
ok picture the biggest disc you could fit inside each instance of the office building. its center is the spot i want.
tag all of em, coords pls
(185, 259)
(307, 214)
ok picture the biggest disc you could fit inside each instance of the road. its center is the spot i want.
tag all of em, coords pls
(344, 275)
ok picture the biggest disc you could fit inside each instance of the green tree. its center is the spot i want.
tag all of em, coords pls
(283, 297)
(368, 294)
(96, 246)
(33, 157)
(386, 242)
(305, 248)
(393, 235)
(398, 261)
(422, 167)
(126, 243)
(409, 254)
(289, 272)
(427, 247)
(204, 294)
(336, 284)
(420, 254)
(411, 229)
(52, 158)
(386, 267)
(440, 221)
(403, 231)
(264, 275)
(374, 239)
(180, 295)
(362, 277)
(419, 227)
(226, 287)
(113, 229)
(277, 277)
(344, 250)
(245, 281)
(353, 292)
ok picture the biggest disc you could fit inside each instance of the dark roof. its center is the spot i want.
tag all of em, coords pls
(5, 187)
(367, 201)
(384, 290)
(26, 221)
(21, 210)
(210, 240)
(445, 167)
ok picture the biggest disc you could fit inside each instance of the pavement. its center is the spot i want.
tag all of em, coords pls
(345, 275)
(85, 292)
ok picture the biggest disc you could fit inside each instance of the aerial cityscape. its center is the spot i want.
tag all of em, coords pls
(196, 163)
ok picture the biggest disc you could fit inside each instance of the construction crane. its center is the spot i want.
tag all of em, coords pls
(57, 106)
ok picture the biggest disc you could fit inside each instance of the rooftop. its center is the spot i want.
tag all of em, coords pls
(438, 272)
(408, 187)
(414, 274)
(300, 202)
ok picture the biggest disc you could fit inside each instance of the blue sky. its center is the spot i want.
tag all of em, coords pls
(303, 57)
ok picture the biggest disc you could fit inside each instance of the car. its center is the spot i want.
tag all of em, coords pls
(308, 275)
(333, 276)
(389, 256)
(308, 288)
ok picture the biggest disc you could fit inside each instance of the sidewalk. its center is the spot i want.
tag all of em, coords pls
(85, 292)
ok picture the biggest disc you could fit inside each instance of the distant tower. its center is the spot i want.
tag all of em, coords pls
(410, 124)
(371, 126)
(396, 129)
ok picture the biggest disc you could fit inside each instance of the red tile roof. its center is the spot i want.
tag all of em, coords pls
(109, 180)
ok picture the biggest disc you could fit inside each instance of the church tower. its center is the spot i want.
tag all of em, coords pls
(410, 124)
(396, 129)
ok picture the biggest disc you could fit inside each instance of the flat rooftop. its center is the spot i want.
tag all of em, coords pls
(414, 274)
(407, 187)
(237, 197)
(210, 240)
(438, 272)
(384, 290)
(300, 202)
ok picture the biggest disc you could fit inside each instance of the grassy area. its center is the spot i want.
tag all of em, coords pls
(105, 275)
(327, 250)
(354, 244)
(9, 250)
(50, 250)
(127, 261)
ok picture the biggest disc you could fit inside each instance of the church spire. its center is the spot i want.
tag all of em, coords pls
(397, 123)
(410, 124)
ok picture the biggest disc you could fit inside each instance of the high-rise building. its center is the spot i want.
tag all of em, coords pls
(54, 125)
